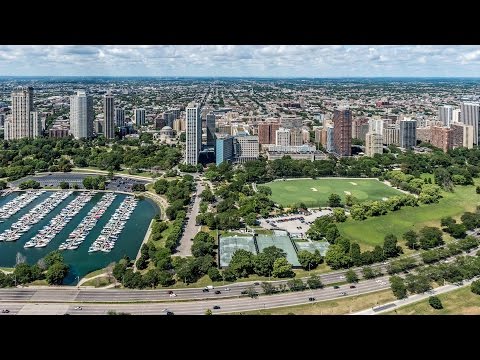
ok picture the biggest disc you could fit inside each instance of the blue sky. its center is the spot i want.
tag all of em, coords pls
(240, 60)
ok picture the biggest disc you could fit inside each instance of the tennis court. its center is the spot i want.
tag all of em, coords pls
(229, 244)
(281, 240)
(321, 246)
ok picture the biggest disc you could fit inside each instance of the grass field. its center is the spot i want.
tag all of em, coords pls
(332, 307)
(316, 192)
(457, 302)
(370, 232)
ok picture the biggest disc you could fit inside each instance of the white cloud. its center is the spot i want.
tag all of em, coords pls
(240, 60)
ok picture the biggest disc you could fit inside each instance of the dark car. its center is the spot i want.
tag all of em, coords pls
(244, 292)
(170, 291)
(352, 286)
(256, 283)
(218, 292)
(216, 307)
(336, 287)
(170, 313)
(5, 311)
(205, 290)
(311, 298)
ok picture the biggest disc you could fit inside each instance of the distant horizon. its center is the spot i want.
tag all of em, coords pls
(241, 61)
(236, 77)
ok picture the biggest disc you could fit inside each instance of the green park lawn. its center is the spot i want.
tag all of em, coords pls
(316, 192)
(457, 302)
(371, 232)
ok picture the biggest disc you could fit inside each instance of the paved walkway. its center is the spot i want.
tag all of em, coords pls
(84, 280)
(412, 299)
(145, 239)
(184, 248)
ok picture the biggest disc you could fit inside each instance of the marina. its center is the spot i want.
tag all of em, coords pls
(17, 204)
(78, 236)
(58, 222)
(80, 261)
(112, 230)
(36, 214)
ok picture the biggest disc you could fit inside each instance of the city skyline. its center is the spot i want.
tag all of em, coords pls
(241, 60)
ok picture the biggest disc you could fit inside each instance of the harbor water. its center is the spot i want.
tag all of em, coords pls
(81, 262)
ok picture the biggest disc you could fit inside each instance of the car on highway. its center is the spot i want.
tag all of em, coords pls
(336, 287)
(218, 292)
(5, 311)
(170, 313)
(311, 298)
(227, 289)
(205, 290)
(352, 286)
(256, 283)
(343, 293)
(78, 308)
(216, 307)
(170, 291)
(173, 295)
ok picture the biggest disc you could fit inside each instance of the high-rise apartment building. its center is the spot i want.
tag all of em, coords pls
(193, 123)
(20, 123)
(373, 144)
(267, 132)
(282, 137)
(445, 114)
(211, 129)
(247, 148)
(36, 123)
(139, 115)
(342, 132)
(462, 135)
(108, 115)
(456, 116)
(224, 149)
(391, 134)
(330, 139)
(375, 126)
(296, 137)
(81, 115)
(442, 137)
(470, 115)
(408, 133)
(119, 117)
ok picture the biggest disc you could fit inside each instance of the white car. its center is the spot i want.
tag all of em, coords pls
(227, 289)
(78, 308)
(173, 295)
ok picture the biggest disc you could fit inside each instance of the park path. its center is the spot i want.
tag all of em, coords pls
(145, 240)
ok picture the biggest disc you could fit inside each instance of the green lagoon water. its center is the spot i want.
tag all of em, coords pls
(80, 260)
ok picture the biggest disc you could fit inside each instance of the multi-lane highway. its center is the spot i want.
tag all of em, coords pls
(39, 302)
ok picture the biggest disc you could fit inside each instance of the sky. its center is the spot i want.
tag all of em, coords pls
(241, 60)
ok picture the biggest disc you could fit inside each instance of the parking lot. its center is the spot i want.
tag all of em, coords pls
(54, 180)
(296, 224)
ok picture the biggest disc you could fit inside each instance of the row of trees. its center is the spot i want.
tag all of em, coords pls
(94, 182)
(52, 268)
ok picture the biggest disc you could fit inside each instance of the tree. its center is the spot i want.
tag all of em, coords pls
(263, 262)
(22, 273)
(355, 254)
(332, 233)
(64, 185)
(251, 219)
(296, 285)
(314, 282)
(53, 257)
(411, 239)
(398, 287)
(368, 272)
(208, 312)
(3, 185)
(141, 262)
(251, 292)
(282, 268)
(268, 288)
(443, 178)
(56, 273)
(334, 200)
(138, 187)
(307, 260)
(390, 248)
(242, 263)
(151, 278)
(435, 302)
(214, 274)
(339, 215)
(475, 287)
(351, 276)
(430, 237)
(477, 189)
(337, 258)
